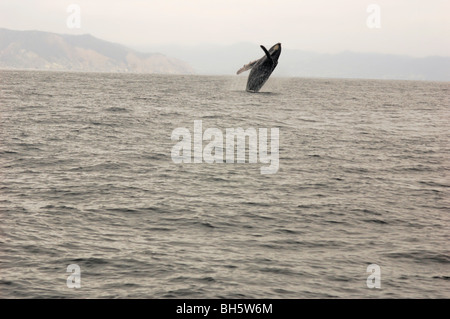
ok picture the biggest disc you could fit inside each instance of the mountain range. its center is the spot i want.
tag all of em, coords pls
(50, 51)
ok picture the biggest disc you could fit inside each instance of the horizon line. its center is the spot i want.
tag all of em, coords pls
(139, 47)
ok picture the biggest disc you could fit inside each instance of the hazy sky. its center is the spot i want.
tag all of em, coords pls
(412, 27)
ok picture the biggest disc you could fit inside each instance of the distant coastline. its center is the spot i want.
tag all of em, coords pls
(38, 50)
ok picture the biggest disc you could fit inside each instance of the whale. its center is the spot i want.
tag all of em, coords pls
(262, 68)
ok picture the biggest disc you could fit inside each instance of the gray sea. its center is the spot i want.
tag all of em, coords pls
(87, 179)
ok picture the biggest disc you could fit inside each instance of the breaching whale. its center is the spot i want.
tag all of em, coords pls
(261, 68)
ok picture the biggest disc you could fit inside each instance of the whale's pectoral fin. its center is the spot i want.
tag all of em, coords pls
(246, 67)
(267, 53)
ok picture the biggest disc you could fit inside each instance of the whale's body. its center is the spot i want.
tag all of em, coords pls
(262, 68)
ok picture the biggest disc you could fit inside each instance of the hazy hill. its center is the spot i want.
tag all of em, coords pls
(215, 59)
(51, 51)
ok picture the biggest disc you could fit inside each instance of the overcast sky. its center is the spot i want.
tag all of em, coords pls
(413, 27)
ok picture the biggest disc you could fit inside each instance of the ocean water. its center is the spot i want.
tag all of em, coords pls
(87, 178)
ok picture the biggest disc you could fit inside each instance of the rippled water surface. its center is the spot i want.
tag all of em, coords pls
(87, 178)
